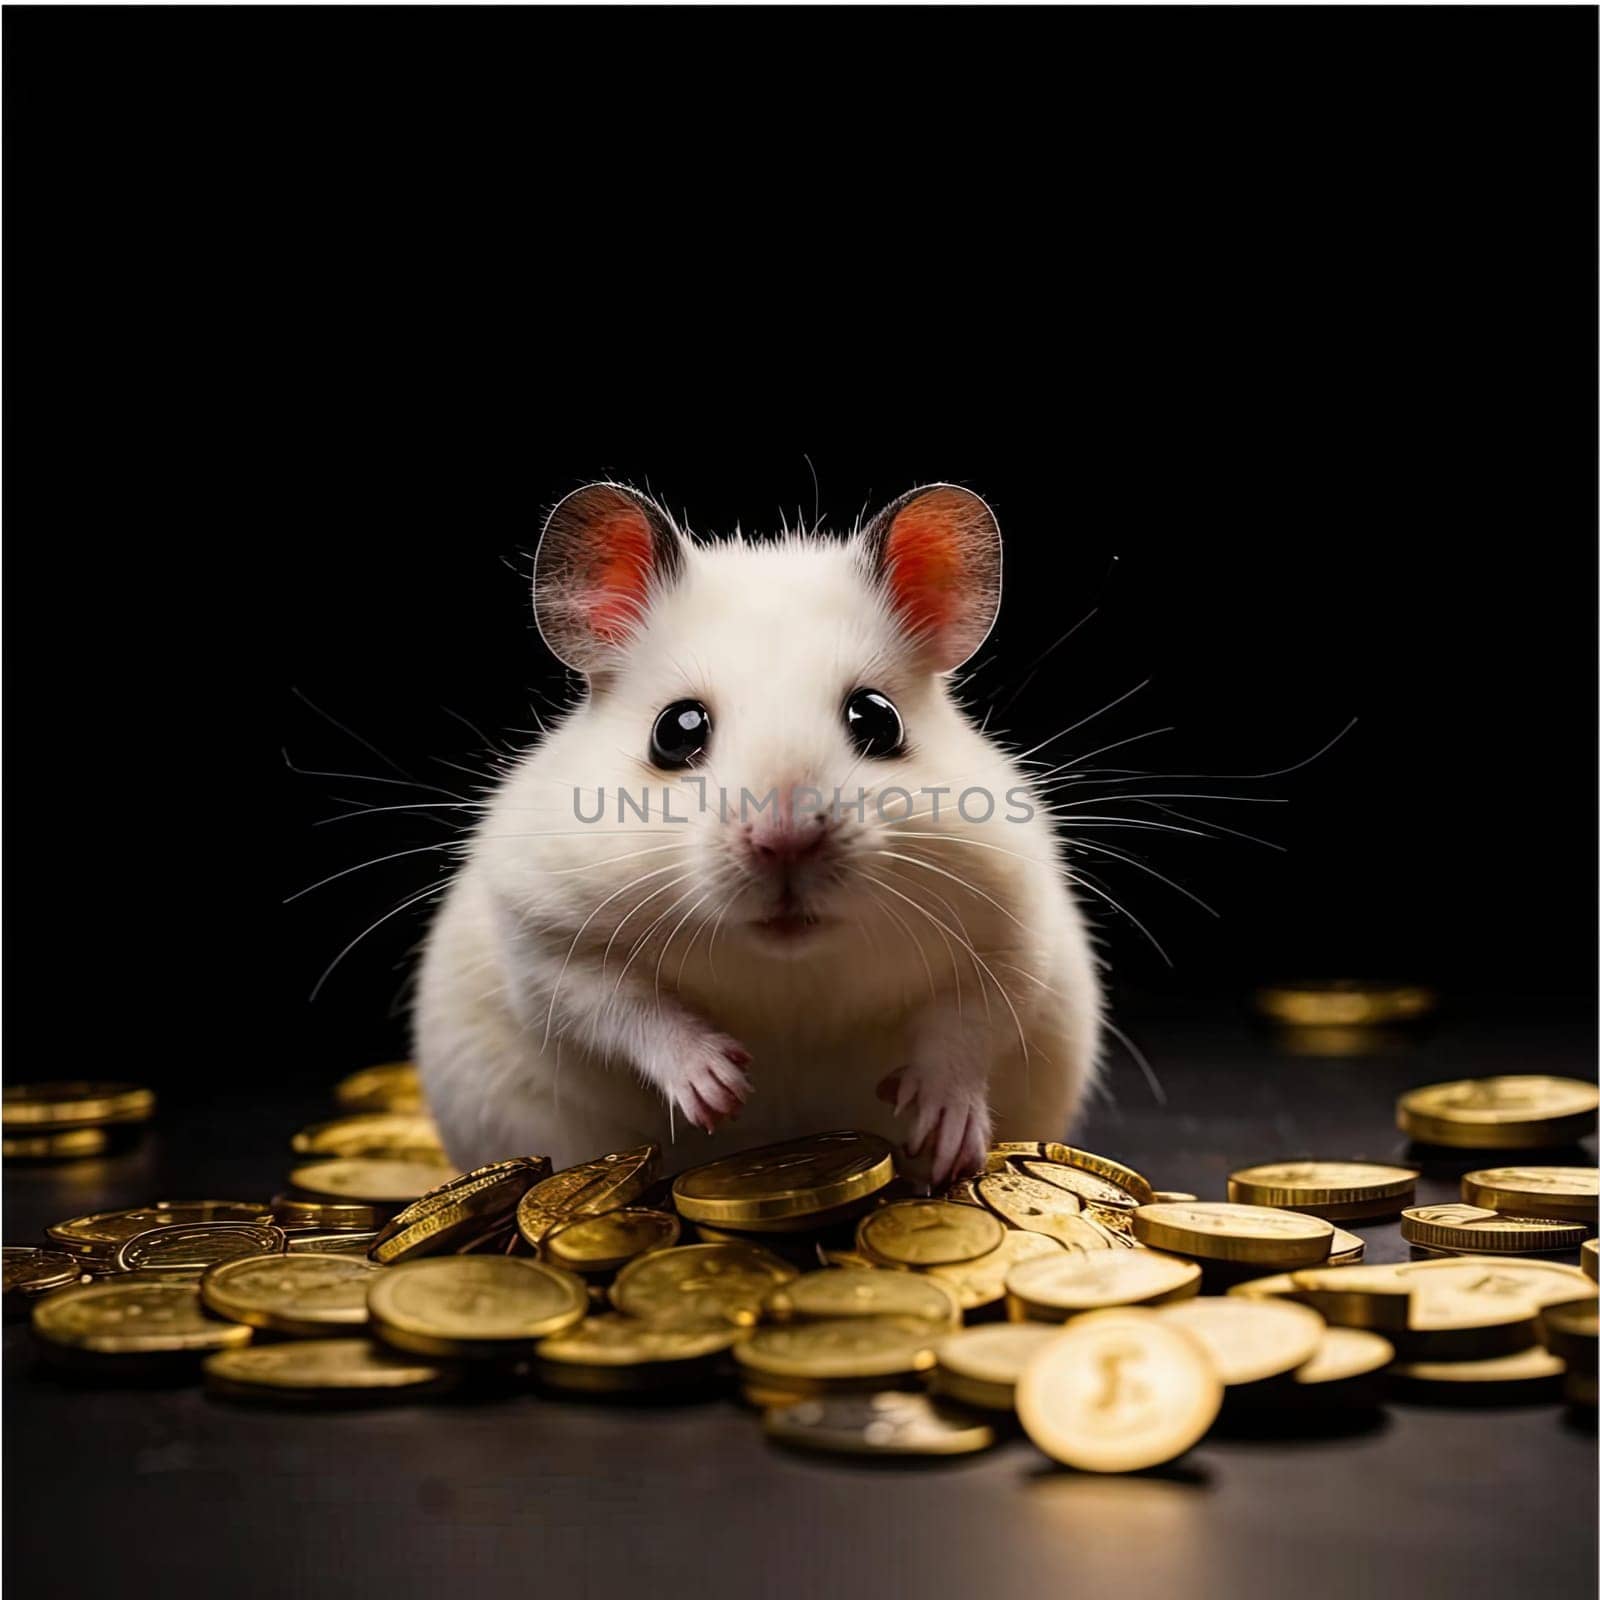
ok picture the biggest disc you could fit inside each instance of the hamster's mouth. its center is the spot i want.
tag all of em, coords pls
(791, 921)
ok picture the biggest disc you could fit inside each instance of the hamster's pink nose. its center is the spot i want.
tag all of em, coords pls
(776, 844)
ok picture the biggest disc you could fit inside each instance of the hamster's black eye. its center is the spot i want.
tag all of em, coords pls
(873, 724)
(680, 735)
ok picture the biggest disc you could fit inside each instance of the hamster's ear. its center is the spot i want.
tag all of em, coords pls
(936, 552)
(604, 551)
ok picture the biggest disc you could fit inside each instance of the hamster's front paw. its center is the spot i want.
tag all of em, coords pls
(706, 1080)
(950, 1122)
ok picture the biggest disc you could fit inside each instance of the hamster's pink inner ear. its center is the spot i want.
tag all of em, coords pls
(937, 553)
(603, 550)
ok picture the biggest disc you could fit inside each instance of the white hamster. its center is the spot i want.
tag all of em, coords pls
(853, 913)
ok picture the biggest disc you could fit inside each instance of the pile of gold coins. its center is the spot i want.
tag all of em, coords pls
(66, 1121)
(1057, 1292)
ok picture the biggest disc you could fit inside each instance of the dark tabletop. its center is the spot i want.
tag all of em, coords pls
(135, 1491)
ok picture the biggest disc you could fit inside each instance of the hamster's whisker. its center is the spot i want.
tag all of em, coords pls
(955, 969)
(905, 928)
(1082, 721)
(1081, 880)
(411, 805)
(644, 938)
(405, 905)
(676, 929)
(966, 884)
(367, 777)
(1078, 761)
(1144, 866)
(589, 866)
(376, 861)
(1220, 828)
(566, 960)
(628, 915)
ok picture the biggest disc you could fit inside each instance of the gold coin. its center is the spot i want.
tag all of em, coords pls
(863, 1292)
(1331, 1189)
(980, 1366)
(30, 1272)
(70, 1144)
(1476, 1230)
(780, 1183)
(982, 1282)
(1589, 1258)
(1054, 1288)
(1529, 1374)
(40, 1106)
(848, 1349)
(1117, 1225)
(192, 1247)
(395, 1135)
(1506, 1113)
(1250, 1339)
(476, 1306)
(1570, 1331)
(133, 1316)
(333, 1242)
(321, 1367)
(586, 1190)
(1118, 1391)
(371, 1178)
(1344, 1002)
(611, 1240)
(446, 1216)
(1276, 1283)
(394, 1086)
(1065, 1155)
(889, 1424)
(1347, 1248)
(1345, 1353)
(103, 1233)
(1175, 1194)
(1568, 1194)
(696, 1284)
(611, 1352)
(1089, 1187)
(292, 1294)
(328, 1216)
(1216, 1230)
(927, 1233)
(1038, 1207)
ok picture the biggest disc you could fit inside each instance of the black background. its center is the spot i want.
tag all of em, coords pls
(1271, 334)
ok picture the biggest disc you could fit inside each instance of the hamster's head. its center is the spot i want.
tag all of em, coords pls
(789, 696)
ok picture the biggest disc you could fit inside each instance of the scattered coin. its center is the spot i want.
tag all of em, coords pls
(459, 1209)
(30, 1273)
(1038, 1207)
(333, 1242)
(602, 1244)
(1475, 1230)
(1089, 1187)
(1135, 1184)
(394, 1086)
(1345, 1354)
(473, 1306)
(777, 1185)
(1250, 1339)
(982, 1282)
(371, 1178)
(1344, 1002)
(38, 1107)
(69, 1144)
(863, 1292)
(612, 1352)
(1569, 1331)
(328, 1216)
(103, 1233)
(394, 1135)
(133, 1316)
(696, 1284)
(192, 1247)
(980, 1366)
(838, 1349)
(1216, 1230)
(1347, 1248)
(1118, 1391)
(1054, 1288)
(302, 1295)
(586, 1190)
(1337, 1190)
(1531, 1374)
(888, 1424)
(1174, 1195)
(1521, 1112)
(1569, 1194)
(927, 1233)
(322, 1369)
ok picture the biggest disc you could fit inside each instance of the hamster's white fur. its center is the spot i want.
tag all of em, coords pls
(588, 986)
